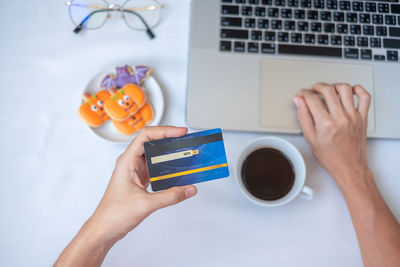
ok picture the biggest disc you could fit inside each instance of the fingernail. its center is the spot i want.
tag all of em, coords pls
(190, 191)
(297, 102)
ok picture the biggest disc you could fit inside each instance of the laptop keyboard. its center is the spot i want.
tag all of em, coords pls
(359, 30)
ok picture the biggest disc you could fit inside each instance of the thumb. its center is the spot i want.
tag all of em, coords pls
(305, 118)
(172, 196)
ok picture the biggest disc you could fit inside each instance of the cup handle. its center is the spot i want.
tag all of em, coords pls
(306, 193)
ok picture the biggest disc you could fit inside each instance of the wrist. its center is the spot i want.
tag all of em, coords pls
(88, 248)
(99, 233)
(360, 177)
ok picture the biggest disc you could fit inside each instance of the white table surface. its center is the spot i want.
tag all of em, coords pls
(53, 170)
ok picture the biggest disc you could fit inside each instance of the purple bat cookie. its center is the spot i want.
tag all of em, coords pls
(125, 75)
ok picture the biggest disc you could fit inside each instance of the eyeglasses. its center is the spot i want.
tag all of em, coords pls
(137, 14)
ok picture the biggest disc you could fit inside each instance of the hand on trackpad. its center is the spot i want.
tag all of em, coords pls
(282, 79)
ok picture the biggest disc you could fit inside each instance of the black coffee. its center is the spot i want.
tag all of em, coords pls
(268, 174)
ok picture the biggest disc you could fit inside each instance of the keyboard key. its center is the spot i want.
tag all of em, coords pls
(226, 1)
(230, 10)
(329, 27)
(331, 4)
(225, 46)
(312, 15)
(326, 15)
(235, 34)
(240, 1)
(316, 26)
(370, 7)
(351, 53)
(306, 3)
(390, 20)
(290, 25)
(253, 2)
(267, 48)
(266, 2)
(323, 39)
(252, 47)
(269, 36)
(260, 11)
(231, 22)
(342, 28)
(302, 26)
(368, 30)
(379, 57)
(249, 23)
(395, 9)
(310, 50)
(338, 16)
(355, 29)
(366, 54)
(336, 40)
(256, 35)
(365, 18)
(383, 8)
(240, 46)
(247, 11)
(296, 37)
(263, 23)
(349, 41)
(391, 43)
(273, 12)
(362, 41)
(293, 3)
(319, 4)
(392, 55)
(375, 42)
(283, 37)
(377, 19)
(394, 31)
(381, 31)
(276, 24)
(299, 14)
(344, 5)
(351, 17)
(358, 6)
(286, 13)
(280, 2)
(309, 38)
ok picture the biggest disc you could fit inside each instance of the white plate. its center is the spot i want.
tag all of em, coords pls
(154, 96)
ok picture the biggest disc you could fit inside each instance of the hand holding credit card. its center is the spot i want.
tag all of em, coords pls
(193, 158)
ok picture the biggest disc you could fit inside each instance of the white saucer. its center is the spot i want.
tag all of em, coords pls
(154, 96)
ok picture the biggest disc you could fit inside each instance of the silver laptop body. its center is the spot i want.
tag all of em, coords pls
(240, 78)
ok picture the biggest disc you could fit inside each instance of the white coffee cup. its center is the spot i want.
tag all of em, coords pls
(292, 153)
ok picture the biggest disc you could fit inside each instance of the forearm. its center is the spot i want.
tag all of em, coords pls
(88, 248)
(377, 230)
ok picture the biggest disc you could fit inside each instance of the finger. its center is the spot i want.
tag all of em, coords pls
(364, 100)
(331, 98)
(346, 96)
(172, 196)
(153, 133)
(304, 116)
(315, 106)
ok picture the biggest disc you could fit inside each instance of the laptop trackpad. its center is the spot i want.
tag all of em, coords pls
(282, 79)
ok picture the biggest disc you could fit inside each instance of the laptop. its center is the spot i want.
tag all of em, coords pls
(248, 58)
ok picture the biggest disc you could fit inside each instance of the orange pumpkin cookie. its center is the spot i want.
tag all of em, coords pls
(124, 102)
(92, 109)
(136, 122)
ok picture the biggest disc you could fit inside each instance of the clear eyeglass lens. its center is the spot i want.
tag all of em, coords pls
(81, 9)
(149, 10)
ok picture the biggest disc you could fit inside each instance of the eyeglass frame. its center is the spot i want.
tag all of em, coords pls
(114, 7)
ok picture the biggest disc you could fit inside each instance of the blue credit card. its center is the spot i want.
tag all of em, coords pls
(190, 159)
